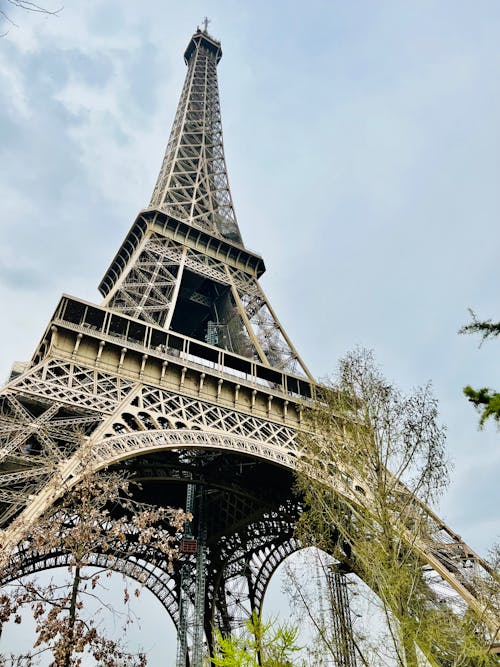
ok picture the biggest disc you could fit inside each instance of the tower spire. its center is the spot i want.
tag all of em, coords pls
(183, 265)
(185, 377)
(193, 184)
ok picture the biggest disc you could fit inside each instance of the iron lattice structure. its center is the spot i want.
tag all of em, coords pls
(185, 377)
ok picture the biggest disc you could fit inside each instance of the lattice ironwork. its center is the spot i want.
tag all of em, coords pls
(145, 564)
(147, 290)
(193, 187)
(72, 384)
(37, 434)
(193, 183)
(182, 364)
(274, 343)
(345, 648)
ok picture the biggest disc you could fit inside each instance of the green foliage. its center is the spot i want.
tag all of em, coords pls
(264, 644)
(486, 328)
(372, 460)
(485, 400)
(484, 397)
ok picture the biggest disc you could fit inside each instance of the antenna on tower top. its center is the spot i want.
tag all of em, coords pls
(206, 21)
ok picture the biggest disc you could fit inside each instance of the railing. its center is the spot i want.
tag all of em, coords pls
(177, 347)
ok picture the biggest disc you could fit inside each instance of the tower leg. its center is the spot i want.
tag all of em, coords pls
(200, 582)
(190, 633)
(185, 585)
(183, 616)
(342, 621)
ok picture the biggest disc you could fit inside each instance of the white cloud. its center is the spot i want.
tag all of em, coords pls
(363, 149)
(13, 87)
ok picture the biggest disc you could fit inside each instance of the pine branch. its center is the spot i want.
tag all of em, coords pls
(486, 328)
(484, 397)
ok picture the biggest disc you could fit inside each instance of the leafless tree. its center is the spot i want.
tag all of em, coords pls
(84, 522)
(27, 6)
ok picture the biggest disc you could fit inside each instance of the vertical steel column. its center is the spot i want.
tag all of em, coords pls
(185, 585)
(192, 616)
(183, 617)
(199, 600)
(342, 622)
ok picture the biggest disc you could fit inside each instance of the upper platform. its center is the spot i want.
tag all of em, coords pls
(153, 220)
(201, 38)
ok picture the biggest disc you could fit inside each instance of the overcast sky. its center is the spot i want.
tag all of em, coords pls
(362, 141)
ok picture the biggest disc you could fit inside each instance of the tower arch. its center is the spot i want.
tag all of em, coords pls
(183, 368)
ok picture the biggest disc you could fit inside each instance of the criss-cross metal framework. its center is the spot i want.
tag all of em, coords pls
(185, 376)
(193, 184)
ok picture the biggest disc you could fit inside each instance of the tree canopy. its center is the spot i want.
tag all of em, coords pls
(372, 460)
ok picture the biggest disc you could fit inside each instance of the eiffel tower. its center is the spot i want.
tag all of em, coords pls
(183, 376)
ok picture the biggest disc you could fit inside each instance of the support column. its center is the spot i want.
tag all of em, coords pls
(200, 587)
(342, 622)
(190, 635)
(185, 585)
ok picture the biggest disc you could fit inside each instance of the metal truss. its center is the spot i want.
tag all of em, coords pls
(242, 321)
(193, 186)
(239, 562)
(193, 183)
(37, 435)
(245, 564)
(167, 409)
(273, 340)
(72, 384)
(144, 564)
(345, 649)
(186, 360)
(149, 287)
(144, 418)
